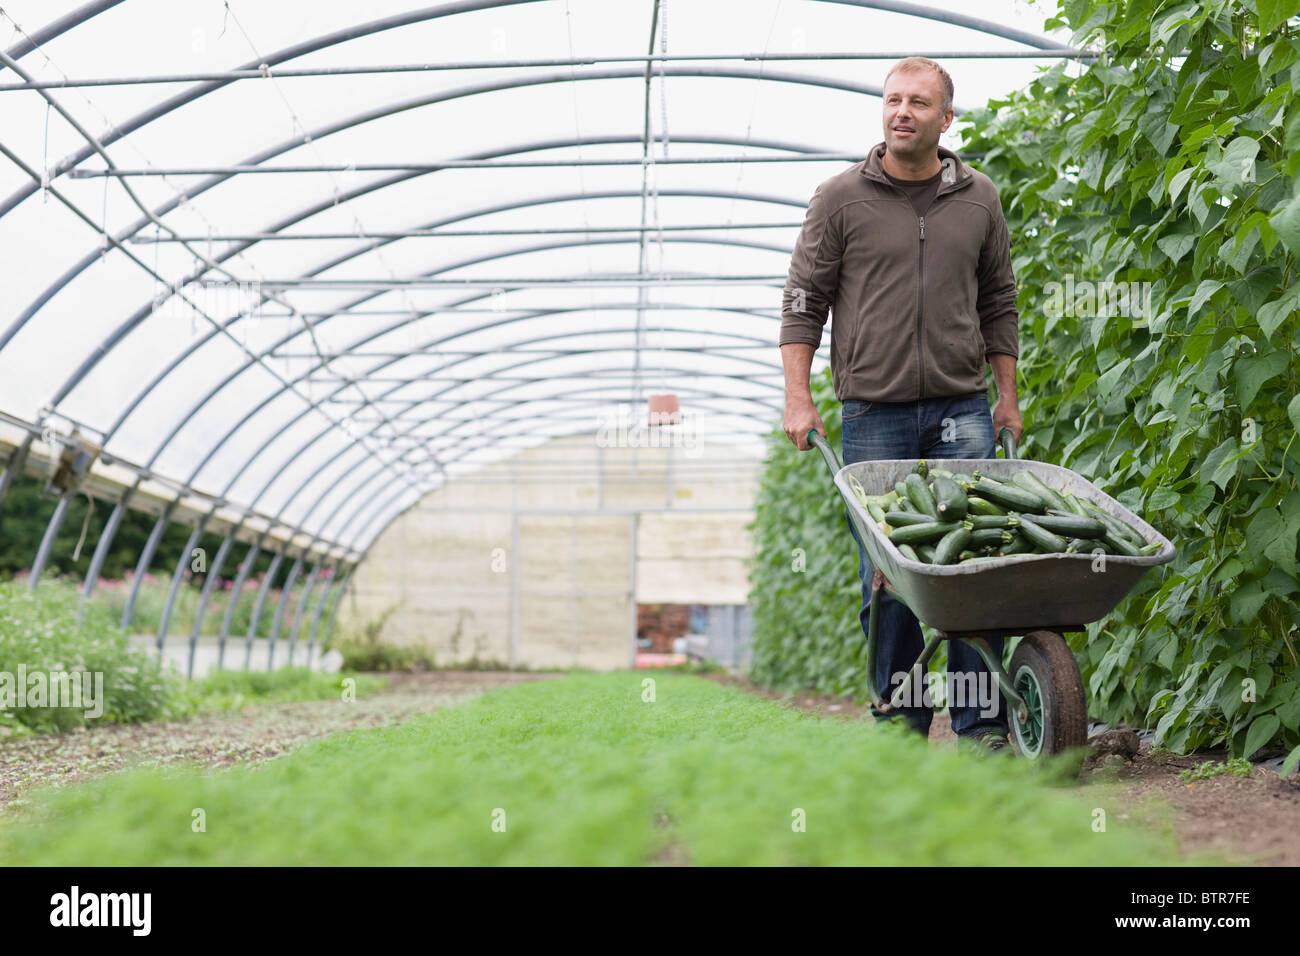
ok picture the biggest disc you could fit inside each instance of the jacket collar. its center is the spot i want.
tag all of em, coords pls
(953, 173)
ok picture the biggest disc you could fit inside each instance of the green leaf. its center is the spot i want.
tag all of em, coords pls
(1290, 763)
(1261, 732)
(1204, 291)
(1274, 13)
(1177, 245)
(1237, 164)
(1286, 223)
(1293, 412)
(1106, 384)
(1292, 141)
(1273, 314)
(1289, 712)
(1253, 371)
(1219, 466)
(1246, 602)
(1163, 498)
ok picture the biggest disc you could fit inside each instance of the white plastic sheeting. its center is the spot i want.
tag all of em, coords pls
(330, 381)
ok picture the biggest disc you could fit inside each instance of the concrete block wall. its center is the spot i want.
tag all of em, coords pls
(597, 530)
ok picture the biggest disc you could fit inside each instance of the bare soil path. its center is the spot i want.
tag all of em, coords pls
(250, 735)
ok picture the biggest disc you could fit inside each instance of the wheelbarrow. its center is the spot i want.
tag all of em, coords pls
(1036, 597)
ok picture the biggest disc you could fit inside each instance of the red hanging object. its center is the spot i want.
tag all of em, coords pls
(664, 410)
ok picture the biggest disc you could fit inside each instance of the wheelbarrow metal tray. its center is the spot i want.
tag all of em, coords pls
(1017, 591)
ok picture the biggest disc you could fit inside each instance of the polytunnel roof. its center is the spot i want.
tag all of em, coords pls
(314, 259)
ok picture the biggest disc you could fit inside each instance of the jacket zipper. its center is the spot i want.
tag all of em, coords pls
(920, 307)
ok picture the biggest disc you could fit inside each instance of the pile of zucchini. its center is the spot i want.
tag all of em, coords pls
(942, 517)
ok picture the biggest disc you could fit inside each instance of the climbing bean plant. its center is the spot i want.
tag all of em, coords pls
(1153, 198)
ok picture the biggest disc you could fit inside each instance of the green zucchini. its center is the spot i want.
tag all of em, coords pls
(1034, 485)
(967, 556)
(1121, 545)
(922, 533)
(980, 522)
(987, 536)
(907, 507)
(1119, 528)
(1009, 496)
(1042, 539)
(900, 519)
(877, 513)
(982, 506)
(1071, 525)
(1072, 504)
(920, 496)
(906, 551)
(1155, 547)
(1018, 545)
(949, 499)
(951, 545)
(925, 552)
(921, 468)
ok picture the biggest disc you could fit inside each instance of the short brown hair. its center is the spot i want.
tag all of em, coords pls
(925, 63)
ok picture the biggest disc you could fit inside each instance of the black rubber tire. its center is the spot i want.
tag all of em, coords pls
(1043, 660)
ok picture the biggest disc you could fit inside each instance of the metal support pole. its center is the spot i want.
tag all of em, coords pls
(514, 591)
(101, 551)
(261, 599)
(47, 540)
(330, 586)
(333, 615)
(142, 565)
(17, 461)
(236, 590)
(279, 610)
(177, 577)
(298, 615)
(121, 172)
(214, 571)
(631, 588)
(281, 73)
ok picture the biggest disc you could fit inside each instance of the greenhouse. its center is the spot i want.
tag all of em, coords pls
(449, 360)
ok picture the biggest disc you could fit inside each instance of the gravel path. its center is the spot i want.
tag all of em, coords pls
(253, 734)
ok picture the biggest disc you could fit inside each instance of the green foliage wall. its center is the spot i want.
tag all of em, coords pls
(1173, 161)
(806, 593)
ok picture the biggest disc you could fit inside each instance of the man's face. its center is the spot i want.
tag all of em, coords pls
(913, 113)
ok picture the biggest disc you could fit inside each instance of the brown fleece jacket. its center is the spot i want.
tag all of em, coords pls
(919, 302)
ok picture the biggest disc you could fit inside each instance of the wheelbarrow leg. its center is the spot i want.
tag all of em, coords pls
(904, 690)
(994, 663)
(877, 585)
(915, 675)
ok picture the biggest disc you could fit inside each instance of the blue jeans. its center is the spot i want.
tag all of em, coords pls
(960, 426)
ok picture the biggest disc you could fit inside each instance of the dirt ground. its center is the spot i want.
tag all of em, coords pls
(249, 736)
(1250, 820)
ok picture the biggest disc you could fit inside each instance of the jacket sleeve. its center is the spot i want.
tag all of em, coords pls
(996, 304)
(814, 274)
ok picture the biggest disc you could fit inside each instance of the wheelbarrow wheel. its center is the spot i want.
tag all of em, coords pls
(1043, 671)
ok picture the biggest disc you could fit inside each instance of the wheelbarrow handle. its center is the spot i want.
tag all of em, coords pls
(1008, 442)
(822, 445)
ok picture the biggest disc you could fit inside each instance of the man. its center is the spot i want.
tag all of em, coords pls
(909, 249)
